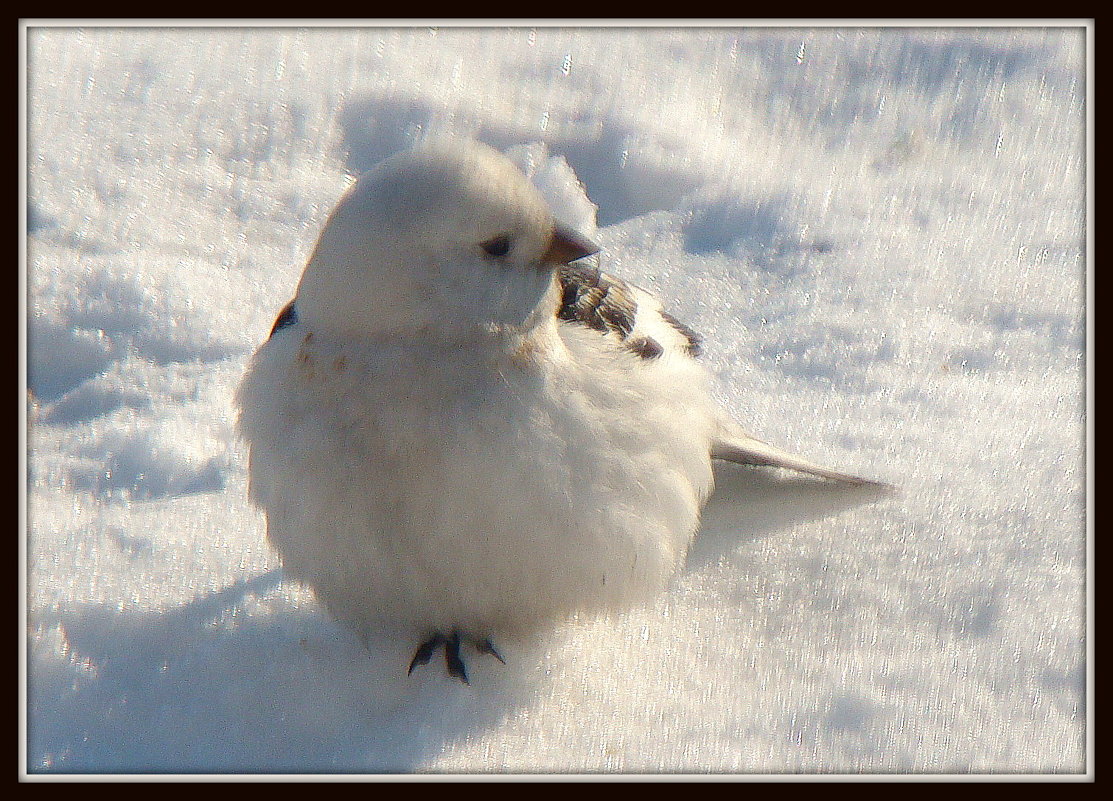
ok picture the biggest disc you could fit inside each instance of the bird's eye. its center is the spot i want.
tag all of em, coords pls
(497, 247)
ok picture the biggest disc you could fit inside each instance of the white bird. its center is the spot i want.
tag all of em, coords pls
(457, 433)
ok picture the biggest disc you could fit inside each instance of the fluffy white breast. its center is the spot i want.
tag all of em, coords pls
(487, 491)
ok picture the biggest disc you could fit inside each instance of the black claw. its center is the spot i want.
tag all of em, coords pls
(452, 658)
(425, 651)
(486, 647)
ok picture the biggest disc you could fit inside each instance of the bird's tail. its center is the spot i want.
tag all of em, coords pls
(732, 444)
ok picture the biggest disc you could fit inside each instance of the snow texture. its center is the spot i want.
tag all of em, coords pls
(881, 234)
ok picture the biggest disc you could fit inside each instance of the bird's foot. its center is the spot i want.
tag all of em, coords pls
(452, 659)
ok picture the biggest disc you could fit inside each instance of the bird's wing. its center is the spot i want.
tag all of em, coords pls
(633, 317)
(286, 318)
(623, 312)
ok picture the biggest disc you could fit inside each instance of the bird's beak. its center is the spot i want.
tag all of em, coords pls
(567, 245)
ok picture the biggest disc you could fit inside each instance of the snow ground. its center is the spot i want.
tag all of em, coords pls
(880, 232)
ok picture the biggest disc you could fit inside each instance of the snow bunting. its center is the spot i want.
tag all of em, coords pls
(457, 432)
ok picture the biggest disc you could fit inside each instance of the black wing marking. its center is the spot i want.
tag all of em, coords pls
(596, 300)
(607, 304)
(694, 340)
(646, 347)
(286, 318)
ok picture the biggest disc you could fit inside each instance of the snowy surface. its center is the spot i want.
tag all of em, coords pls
(881, 234)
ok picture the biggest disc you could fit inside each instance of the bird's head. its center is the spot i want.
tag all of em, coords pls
(445, 238)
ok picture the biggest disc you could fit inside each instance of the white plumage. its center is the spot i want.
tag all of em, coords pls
(454, 435)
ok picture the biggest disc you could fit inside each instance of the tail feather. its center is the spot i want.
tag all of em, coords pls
(734, 445)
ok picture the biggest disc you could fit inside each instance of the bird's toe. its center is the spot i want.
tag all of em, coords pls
(425, 651)
(485, 647)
